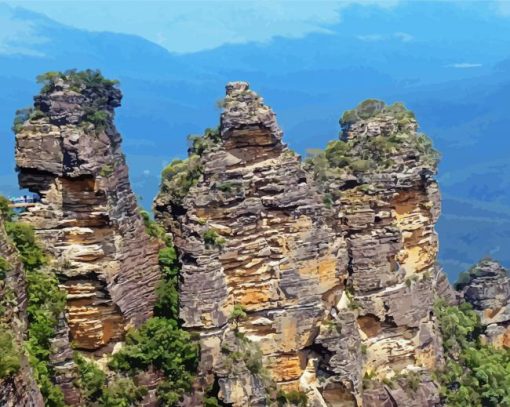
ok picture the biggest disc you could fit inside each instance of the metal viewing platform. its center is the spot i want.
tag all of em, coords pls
(23, 201)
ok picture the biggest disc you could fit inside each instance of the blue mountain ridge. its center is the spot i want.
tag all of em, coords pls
(309, 82)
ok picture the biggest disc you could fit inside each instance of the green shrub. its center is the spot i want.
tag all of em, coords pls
(160, 344)
(106, 170)
(23, 237)
(78, 80)
(211, 402)
(180, 176)
(211, 238)
(122, 392)
(224, 186)
(22, 115)
(167, 301)
(6, 213)
(238, 313)
(37, 114)
(91, 380)
(361, 165)
(10, 354)
(45, 304)
(293, 398)
(337, 153)
(5, 266)
(154, 229)
(99, 118)
(475, 373)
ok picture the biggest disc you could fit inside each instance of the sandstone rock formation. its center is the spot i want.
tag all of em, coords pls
(252, 233)
(19, 389)
(69, 153)
(486, 286)
(326, 272)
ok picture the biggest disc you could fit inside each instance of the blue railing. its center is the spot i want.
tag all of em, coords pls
(25, 199)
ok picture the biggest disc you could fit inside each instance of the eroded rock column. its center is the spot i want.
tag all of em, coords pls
(69, 153)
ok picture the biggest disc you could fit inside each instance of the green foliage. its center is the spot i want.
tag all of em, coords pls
(6, 213)
(224, 186)
(99, 118)
(78, 80)
(37, 114)
(91, 380)
(153, 228)
(45, 303)
(243, 353)
(372, 108)
(9, 355)
(160, 344)
(118, 392)
(22, 115)
(106, 170)
(212, 239)
(5, 266)
(122, 392)
(238, 313)
(475, 373)
(23, 237)
(200, 144)
(211, 402)
(293, 398)
(180, 176)
(167, 302)
(369, 154)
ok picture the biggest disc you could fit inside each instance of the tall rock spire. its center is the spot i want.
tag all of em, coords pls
(68, 152)
(310, 277)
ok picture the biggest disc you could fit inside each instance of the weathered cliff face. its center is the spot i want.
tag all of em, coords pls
(381, 185)
(69, 152)
(20, 388)
(252, 234)
(333, 263)
(486, 286)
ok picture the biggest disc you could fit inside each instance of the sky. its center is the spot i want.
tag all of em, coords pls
(168, 23)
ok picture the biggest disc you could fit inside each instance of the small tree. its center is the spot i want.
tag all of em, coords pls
(238, 314)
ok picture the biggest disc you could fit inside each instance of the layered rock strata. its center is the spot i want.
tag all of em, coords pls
(382, 187)
(252, 234)
(69, 153)
(326, 271)
(20, 388)
(486, 286)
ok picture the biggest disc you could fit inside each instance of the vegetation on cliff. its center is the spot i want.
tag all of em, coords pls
(45, 303)
(10, 359)
(475, 374)
(180, 175)
(158, 345)
(358, 152)
(90, 79)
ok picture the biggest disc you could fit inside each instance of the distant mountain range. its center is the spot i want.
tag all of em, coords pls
(454, 72)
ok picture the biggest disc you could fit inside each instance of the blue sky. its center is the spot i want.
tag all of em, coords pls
(212, 23)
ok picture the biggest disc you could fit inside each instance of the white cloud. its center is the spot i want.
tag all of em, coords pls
(18, 36)
(503, 7)
(400, 36)
(464, 65)
(371, 37)
(189, 26)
